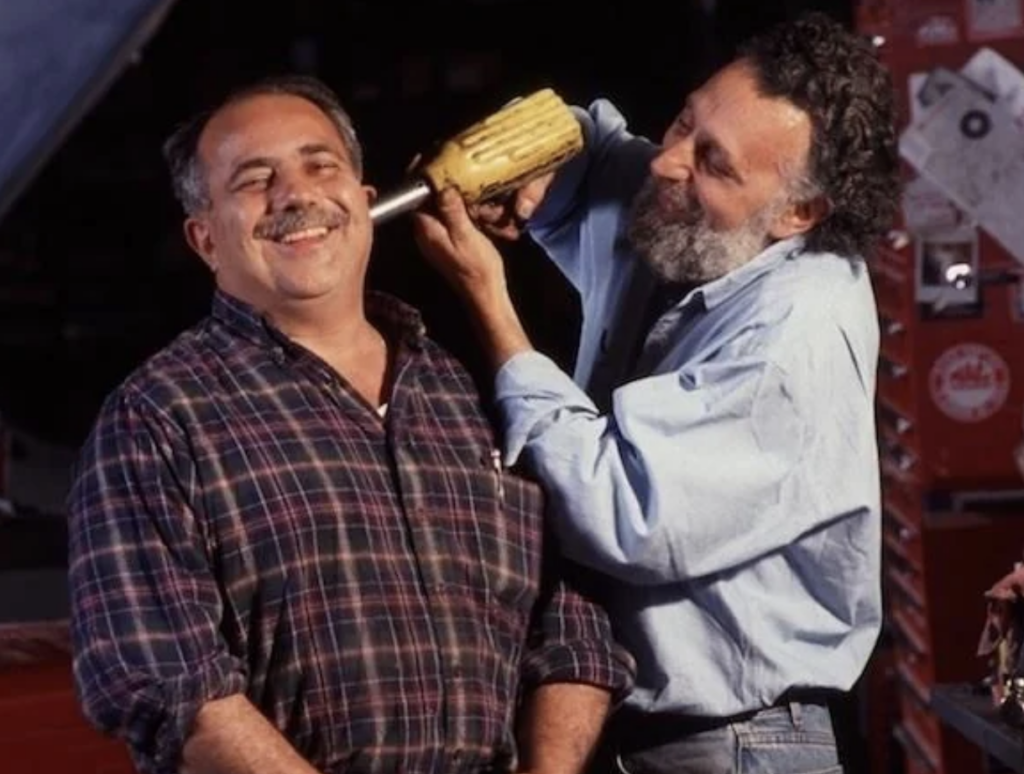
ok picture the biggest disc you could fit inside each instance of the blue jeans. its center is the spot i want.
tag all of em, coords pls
(790, 739)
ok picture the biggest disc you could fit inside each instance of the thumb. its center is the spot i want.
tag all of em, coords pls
(531, 195)
(429, 232)
(452, 210)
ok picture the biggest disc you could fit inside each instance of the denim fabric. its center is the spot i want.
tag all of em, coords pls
(793, 739)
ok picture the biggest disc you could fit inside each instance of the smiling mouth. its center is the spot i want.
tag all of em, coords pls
(305, 234)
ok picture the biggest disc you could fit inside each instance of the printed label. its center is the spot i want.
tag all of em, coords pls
(969, 382)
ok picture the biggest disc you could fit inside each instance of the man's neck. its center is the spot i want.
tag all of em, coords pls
(340, 334)
(325, 322)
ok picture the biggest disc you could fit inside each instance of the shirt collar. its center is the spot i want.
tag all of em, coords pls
(718, 291)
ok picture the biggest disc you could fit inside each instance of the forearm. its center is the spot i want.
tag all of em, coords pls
(559, 727)
(232, 737)
(496, 321)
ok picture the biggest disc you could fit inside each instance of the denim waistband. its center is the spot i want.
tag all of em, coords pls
(636, 730)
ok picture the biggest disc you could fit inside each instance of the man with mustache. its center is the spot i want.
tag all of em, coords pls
(715, 457)
(293, 545)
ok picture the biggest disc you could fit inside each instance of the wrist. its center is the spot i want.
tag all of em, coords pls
(483, 291)
(497, 322)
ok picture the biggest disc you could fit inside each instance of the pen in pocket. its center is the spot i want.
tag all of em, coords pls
(499, 475)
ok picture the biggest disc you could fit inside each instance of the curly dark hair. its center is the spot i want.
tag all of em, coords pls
(836, 77)
(181, 149)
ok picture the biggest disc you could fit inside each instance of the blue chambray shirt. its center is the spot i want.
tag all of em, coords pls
(732, 493)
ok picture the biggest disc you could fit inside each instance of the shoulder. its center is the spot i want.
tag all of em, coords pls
(818, 288)
(821, 312)
(167, 377)
(832, 288)
(793, 307)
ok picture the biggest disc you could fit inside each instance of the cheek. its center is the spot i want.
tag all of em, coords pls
(236, 227)
(722, 211)
(234, 245)
(714, 207)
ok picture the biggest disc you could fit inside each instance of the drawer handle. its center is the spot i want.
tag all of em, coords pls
(891, 368)
(898, 516)
(894, 418)
(892, 327)
(900, 457)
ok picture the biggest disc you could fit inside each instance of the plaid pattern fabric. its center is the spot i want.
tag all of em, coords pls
(242, 521)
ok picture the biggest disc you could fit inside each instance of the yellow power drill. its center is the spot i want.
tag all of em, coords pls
(527, 138)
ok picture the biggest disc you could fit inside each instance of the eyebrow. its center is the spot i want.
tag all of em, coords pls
(313, 148)
(263, 162)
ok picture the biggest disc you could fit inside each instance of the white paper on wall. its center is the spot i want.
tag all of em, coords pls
(996, 75)
(969, 146)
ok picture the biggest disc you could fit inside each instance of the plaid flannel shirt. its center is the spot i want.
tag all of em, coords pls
(241, 521)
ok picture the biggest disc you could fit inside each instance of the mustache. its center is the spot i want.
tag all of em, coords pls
(660, 205)
(276, 226)
(681, 204)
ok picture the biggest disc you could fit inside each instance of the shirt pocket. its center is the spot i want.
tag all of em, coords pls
(499, 537)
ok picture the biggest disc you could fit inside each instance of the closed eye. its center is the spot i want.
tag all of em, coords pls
(324, 165)
(252, 182)
(711, 157)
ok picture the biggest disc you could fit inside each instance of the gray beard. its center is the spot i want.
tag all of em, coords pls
(679, 245)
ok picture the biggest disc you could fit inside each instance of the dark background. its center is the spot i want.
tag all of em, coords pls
(94, 273)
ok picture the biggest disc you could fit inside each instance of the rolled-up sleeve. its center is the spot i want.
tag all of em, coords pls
(145, 606)
(571, 639)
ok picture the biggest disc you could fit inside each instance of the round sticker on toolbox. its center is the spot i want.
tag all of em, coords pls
(969, 382)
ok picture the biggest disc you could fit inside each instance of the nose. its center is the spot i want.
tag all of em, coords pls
(675, 161)
(291, 189)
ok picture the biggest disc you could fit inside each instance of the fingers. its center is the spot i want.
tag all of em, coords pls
(448, 229)
(497, 217)
(489, 212)
(506, 216)
(430, 233)
(1001, 597)
(531, 195)
(1008, 588)
(452, 211)
(511, 231)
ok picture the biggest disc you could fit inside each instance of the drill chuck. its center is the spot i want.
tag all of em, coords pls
(405, 199)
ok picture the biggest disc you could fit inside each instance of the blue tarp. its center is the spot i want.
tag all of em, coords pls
(57, 58)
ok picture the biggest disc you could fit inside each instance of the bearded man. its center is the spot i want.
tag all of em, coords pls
(715, 457)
